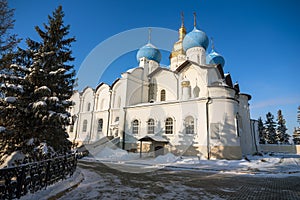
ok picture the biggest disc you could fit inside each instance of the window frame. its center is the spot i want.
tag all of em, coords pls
(150, 126)
(189, 125)
(100, 128)
(163, 95)
(135, 127)
(169, 126)
(84, 126)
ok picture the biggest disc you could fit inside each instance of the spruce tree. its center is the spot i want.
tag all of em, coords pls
(270, 129)
(298, 116)
(11, 85)
(12, 109)
(261, 131)
(283, 137)
(8, 41)
(296, 135)
(52, 80)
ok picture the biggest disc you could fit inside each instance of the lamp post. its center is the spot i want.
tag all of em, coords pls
(209, 100)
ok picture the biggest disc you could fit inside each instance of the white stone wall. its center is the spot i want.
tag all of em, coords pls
(224, 132)
(247, 141)
(197, 55)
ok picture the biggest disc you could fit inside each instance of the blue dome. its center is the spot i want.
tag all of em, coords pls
(150, 52)
(196, 38)
(215, 58)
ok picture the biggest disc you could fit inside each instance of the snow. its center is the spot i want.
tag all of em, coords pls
(9, 160)
(51, 113)
(12, 86)
(92, 185)
(64, 116)
(43, 148)
(30, 141)
(10, 99)
(53, 99)
(2, 129)
(20, 88)
(168, 158)
(43, 88)
(61, 186)
(59, 71)
(114, 154)
(64, 102)
(39, 104)
(266, 164)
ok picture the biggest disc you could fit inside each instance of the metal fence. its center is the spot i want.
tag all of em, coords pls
(18, 181)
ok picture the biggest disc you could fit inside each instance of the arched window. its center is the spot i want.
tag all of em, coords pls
(150, 126)
(100, 125)
(169, 126)
(162, 95)
(84, 126)
(189, 125)
(135, 126)
(89, 107)
(196, 91)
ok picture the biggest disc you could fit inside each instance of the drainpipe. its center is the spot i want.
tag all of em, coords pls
(178, 85)
(92, 120)
(108, 118)
(78, 118)
(124, 126)
(253, 132)
(207, 127)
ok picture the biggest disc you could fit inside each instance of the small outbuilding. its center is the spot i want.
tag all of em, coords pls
(157, 144)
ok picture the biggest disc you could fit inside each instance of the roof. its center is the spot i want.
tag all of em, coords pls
(158, 70)
(154, 138)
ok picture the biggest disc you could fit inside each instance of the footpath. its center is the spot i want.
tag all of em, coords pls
(278, 166)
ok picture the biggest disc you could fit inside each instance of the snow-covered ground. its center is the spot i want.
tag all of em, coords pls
(90, 184)
(279, 164)
(54, 190)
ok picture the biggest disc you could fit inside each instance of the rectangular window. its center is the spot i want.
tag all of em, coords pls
(151, 126)
(135, 127)
(169, 126)
(237, 126)
(84, 127)
(100, 125)
(162, 95)
(71, 128)
(215, 130)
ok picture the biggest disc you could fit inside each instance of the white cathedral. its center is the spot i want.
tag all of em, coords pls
(188, 108)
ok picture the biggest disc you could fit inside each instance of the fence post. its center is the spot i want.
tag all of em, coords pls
(20, 180)
(47, 173)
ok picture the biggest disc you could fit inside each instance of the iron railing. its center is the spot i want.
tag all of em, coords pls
(18, 181)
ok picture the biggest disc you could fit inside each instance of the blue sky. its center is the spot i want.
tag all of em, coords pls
(259, 39)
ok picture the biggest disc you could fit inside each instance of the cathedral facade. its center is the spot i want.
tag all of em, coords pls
(188, 108)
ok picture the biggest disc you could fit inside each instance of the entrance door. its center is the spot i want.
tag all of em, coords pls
(158, 150)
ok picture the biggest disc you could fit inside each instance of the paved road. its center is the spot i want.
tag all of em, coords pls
(103, 182)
